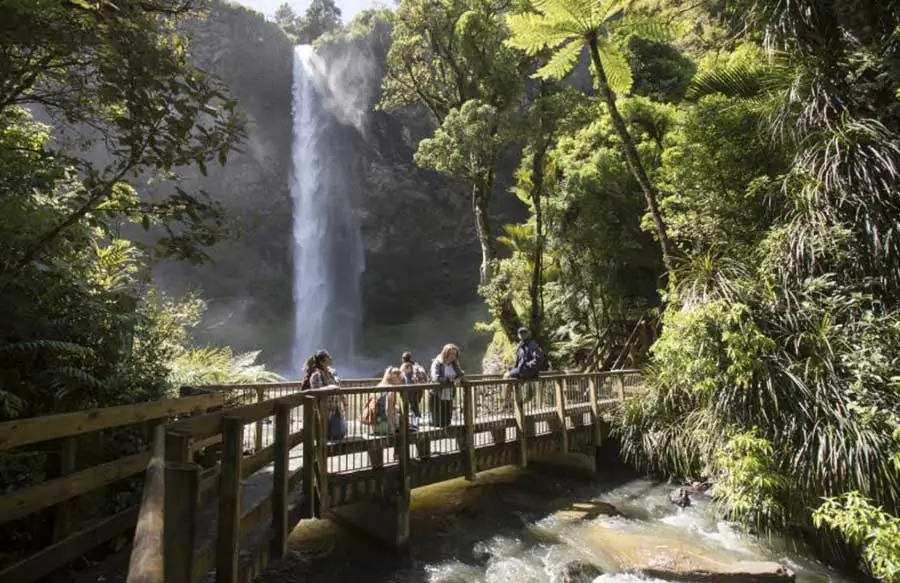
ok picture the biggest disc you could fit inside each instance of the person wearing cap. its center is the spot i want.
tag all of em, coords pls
(529, 357)
(321, 375)
(413, 374)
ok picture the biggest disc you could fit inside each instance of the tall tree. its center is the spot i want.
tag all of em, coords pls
(322, 17)
(567, 26)
(449, 57)
(119, 77)
(287, 19)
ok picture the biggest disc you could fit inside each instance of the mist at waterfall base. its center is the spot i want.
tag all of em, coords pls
(328, 254)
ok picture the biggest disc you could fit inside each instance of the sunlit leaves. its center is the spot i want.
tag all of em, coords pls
(616, 67)
(867, 526)
(533, 33)
(465, 144)
(561, 62)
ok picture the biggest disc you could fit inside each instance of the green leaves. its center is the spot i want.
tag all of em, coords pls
(867, 526)
(466, 143)
(560, 64)
(616, 67)
(533, 33)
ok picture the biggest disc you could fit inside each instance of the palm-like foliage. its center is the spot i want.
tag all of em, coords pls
(566, 26)
(219, 366)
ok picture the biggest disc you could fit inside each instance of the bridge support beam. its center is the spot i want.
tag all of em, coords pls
(385, 520)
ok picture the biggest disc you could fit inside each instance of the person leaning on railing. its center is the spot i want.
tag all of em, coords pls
(321, 376)
(445, 370)
(413, 374)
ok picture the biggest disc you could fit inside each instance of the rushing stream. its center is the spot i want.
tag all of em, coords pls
(500, 529)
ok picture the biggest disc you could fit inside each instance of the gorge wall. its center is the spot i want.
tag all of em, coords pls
(419, 286)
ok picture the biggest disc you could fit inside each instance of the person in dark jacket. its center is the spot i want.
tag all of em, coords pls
(529, 358)
(413, 374)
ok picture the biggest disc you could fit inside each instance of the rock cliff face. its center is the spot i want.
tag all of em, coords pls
(420, 247)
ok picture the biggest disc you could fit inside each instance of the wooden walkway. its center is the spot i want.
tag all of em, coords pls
(234, 481)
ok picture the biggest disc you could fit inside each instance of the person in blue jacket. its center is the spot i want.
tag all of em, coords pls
(529, 358)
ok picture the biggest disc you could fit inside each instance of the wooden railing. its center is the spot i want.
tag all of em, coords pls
(249, 522)
(57, 438)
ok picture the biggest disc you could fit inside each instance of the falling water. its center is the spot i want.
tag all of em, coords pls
(328, 254)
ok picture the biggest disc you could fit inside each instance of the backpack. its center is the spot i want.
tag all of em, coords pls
(371, 410)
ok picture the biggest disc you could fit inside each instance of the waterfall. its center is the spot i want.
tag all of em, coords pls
(327, 245)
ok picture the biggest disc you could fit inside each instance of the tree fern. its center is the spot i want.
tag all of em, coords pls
(565, 27)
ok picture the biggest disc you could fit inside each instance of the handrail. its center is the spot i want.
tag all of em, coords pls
(239, 518)
(147, 557)
(209, 424)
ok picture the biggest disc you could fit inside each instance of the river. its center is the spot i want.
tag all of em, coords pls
(514, 526)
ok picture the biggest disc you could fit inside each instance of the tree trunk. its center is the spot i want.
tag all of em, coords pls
(631, 154)
(481, 191)
(537, 181)
(506, 313)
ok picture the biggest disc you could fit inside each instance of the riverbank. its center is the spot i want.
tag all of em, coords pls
(520, 526)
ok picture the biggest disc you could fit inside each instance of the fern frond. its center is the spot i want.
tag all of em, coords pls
(561, 63)
(533, 33)
(61, 375)
(603, 10)
(616, 67)
(52, 347)
(575, 14)
(741, 81)
(645, 26)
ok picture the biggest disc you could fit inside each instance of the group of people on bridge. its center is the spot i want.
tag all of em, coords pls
(381, 410)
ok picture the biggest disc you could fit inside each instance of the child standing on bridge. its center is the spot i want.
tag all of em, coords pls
(446, 370)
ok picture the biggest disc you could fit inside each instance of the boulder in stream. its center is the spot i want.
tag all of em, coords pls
(586, 510)
(674, 559)
(580, 572)
(680, 498)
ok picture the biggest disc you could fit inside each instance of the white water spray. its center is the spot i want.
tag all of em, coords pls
(328, 252)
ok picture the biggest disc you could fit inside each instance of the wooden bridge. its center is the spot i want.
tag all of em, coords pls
(233, 469)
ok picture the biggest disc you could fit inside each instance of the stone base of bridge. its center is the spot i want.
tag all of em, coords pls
(384, 519)
(578, 463)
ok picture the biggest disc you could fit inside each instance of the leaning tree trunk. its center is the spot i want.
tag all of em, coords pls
(505, 312)
(631, 154)
(481, 192)
(537, 180)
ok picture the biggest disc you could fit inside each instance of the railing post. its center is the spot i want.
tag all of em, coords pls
(258, 426)
(404, 478)
(403, 442)
(620, 386)
(228, 540)
(322, 454)
(561, 415)
(309, 455)
(595, 412)
(180, 513)
(62, 512)
(469, 422)
(521, 432)
(146, 564)
(280, 480)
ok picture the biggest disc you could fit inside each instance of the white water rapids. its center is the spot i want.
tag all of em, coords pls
(456, 540)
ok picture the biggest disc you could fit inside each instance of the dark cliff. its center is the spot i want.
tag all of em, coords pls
(420, 247)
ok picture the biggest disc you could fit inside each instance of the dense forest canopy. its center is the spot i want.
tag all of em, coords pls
(723, 190)
(712, 195)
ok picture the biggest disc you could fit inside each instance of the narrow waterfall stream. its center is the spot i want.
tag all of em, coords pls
(504, 529)
(328, 253)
